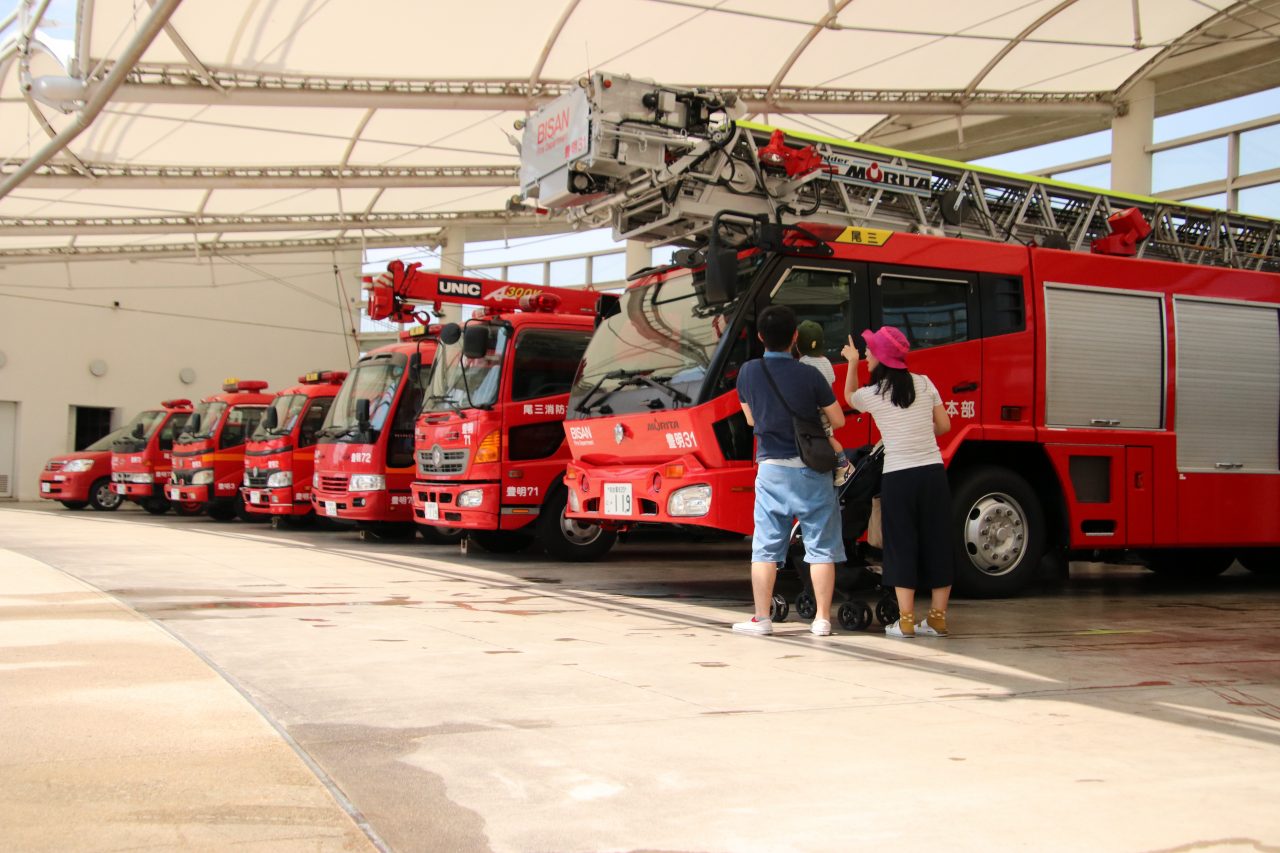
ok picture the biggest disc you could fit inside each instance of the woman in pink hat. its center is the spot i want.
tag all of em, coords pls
(915, 501)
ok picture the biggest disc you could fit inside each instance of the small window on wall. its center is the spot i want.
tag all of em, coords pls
(823, 296)
(931, 312)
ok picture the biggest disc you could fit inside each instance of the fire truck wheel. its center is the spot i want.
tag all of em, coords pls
(501, 541)
(569, 538)
(999, 532)
(222, 510)
(1190, 564)
(188, 508)
(441, 535)
(74, 504)
(101, 497)
(1262, 561)
(156, 506)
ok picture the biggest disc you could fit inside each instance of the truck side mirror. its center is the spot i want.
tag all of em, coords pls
(415, 363)
(475, 340)
(362, 414)
(722, 274)
(193, 424)
(450, 334)
(270, 419)
(139, 431)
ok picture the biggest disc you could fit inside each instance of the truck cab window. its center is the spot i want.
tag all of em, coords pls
(313, 420)
(172, 430)
(930, 311)
(400, 441)
(824, 296)
(241, 422)
(546, 361)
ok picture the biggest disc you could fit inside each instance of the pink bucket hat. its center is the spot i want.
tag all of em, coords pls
(888, 345)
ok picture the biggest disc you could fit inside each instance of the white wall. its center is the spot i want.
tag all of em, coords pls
(269, 317)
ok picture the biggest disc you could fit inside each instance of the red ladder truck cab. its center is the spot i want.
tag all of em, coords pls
(83, 478)
(1110, 362)
(490, 450)
(208, 458)
(364, 458)
(141, 458)
(279, 458)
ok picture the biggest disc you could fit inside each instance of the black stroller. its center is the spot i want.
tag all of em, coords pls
(855, 578)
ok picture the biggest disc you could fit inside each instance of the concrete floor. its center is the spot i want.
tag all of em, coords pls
(479, 702)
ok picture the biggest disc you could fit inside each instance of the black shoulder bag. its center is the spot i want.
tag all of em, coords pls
(811, 438)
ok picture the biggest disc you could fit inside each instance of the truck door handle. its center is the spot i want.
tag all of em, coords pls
(963, 387)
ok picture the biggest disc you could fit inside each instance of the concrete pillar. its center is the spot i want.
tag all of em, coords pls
(455, 242)
(1131, 135)
(639, 256)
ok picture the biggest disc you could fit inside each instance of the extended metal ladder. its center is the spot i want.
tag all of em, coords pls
(658, 162)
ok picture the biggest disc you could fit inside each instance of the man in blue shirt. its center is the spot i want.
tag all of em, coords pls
(786, 488)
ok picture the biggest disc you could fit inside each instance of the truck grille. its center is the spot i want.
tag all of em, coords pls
(450, 461)
(54, 466)
(256, 479)
(181, 477)
(334, 484)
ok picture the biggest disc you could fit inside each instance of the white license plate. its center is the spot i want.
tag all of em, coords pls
(431, 510)
(175, 495)
(331, 508)
(118, 488)
(617, 499)
(46, 487)
(255, 497)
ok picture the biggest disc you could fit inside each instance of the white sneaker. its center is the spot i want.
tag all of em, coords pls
(894, 629)
(820, 628)
(759, 627)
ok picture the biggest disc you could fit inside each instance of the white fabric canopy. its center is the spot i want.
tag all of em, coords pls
(319, 119)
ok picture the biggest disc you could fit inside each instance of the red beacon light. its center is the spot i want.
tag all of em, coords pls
(547, 302)
(176, 404)
(232, 385)
(1128, 228)
(317, 377)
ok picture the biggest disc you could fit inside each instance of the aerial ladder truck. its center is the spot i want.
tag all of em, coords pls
(1079, 337)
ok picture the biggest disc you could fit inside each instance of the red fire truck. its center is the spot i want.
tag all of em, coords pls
(490, 442)
(1112, 375)
(208, 458)
(364, 459)
(279, 458)
(141, 458)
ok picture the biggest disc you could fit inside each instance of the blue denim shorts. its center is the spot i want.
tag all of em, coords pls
(784, 494)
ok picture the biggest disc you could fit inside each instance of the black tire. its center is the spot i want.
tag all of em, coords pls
(102, 498)
(74, 504)
(1190, 564)
(501, 541)
(441, 535)
(155, 506)
(998, 528)
(806, 605)
(779, 610)
(887, 608)
(222, 510)
(567, 538)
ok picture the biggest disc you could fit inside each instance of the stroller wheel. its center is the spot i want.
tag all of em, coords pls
(779, 609)
(887, 608)
(806, 605)
(854, 615)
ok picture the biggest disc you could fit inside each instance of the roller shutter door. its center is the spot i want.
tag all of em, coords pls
(1228, 402)
(1105, 359)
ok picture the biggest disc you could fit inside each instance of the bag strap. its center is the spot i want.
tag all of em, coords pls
(764, 366)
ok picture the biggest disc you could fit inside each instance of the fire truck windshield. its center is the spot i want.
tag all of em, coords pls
(287, 409)
(656, 351)
(110, 438)
(459, 382)
(210, 414)
(376, 380)
(150, 420)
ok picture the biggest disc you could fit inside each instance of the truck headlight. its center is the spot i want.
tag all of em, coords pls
(690, 501)
(280, 479)
(78, 465)
(202, 477)
(471, 498)
(245, 481)
(367, 483)
(315, 480)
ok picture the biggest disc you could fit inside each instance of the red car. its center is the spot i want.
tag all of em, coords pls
(83, 478)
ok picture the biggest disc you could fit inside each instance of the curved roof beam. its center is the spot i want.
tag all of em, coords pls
(833, 12)
(1013, 43)
(1189, 37)
(536, 74)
